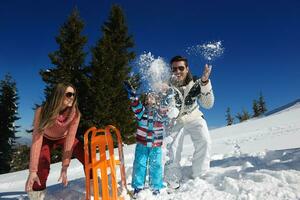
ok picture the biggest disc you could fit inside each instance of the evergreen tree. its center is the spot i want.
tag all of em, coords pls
(8, 116)
(239, 117)
(109, 68)
(229, 118)
(68, 64)
(261, 104)
(255, 108)
(243, 116)
(20, 158)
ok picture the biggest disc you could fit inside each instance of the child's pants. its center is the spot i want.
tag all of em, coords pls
(147, 156)
(44, 160)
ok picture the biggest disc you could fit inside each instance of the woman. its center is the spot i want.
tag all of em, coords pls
(189, 121)
(55, 124)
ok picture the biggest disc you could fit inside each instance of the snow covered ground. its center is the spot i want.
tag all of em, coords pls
(258, 159)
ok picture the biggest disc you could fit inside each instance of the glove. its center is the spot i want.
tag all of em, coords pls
(129, 88)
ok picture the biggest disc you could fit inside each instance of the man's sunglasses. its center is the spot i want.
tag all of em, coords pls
(181, 68)
(70, 94)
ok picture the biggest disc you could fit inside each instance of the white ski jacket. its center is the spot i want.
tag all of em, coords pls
(189, 97)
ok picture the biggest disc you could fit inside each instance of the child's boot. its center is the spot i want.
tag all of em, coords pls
(136, 192)
(155, 192)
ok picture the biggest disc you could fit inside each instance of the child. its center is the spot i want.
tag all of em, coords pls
(149, 137)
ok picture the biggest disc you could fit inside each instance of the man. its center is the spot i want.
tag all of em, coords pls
(190, 121)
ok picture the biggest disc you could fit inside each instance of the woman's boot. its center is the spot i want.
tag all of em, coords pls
(37, 195)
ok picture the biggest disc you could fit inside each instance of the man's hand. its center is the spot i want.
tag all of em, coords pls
(63, 176)
(33, 177)
(206, 73)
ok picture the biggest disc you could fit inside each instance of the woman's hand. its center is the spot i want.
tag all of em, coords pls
(63, 176)
(206, 73)
(32, 177)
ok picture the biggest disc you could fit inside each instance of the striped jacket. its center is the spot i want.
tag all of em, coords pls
(150, 130)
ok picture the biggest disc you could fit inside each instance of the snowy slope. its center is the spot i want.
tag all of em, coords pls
(286, 107)
(257, 159)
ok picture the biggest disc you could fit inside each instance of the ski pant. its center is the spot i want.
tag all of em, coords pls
(147, 156)
(44, 159)
(194, 125)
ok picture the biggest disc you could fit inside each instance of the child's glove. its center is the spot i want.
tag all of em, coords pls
(129, 89)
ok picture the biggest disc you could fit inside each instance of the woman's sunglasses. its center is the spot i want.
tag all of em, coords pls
(181, 68)
(70, 94)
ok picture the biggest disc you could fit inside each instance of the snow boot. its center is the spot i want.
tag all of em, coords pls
(37, 195)
(172, 186)
(155, 192)
(136, 192)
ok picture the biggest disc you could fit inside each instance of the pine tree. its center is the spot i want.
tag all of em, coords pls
(8, 116)
(109, 68)
(255, 108)
(20, 158)
(261, 104)
(239, 117)
(68, 64)
(243, 116)
(229, 118)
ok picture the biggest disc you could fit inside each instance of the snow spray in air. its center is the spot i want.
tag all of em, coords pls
(209, 51)
(155, 75)
(153, 71)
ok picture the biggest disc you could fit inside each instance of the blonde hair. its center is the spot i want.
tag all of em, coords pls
(53, 104)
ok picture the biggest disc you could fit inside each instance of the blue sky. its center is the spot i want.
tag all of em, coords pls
(261, 41)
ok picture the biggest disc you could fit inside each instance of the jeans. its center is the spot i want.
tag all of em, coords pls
(44, 160)
(147, 157)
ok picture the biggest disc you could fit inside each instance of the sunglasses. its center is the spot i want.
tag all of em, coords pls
(70, 94)
(181, 68)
